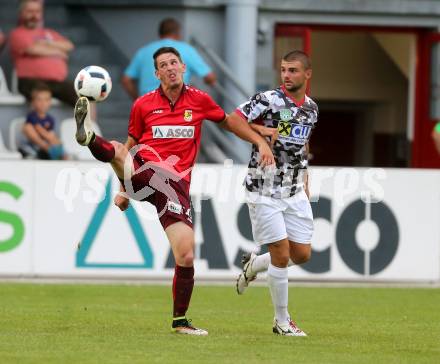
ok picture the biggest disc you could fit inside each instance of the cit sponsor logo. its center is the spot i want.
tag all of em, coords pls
(188, 115)
(173, 132)
(284, 129)
(295, 133)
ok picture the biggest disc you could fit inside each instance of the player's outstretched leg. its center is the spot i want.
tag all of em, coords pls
(252, 265)
(101, 149)
(247, 275)
(84, 128)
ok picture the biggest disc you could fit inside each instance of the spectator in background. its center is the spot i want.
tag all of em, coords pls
(139, 77)
(40, 54)
(39, 128)
(436, 136)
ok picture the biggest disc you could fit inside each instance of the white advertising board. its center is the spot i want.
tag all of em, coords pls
(57, 219)
(16, 217)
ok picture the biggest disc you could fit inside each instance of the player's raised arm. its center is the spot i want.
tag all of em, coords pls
(240, 127)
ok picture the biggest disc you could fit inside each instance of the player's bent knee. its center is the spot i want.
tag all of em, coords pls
(302, 257)
(184, 253)
(185, 259)
(280, 260)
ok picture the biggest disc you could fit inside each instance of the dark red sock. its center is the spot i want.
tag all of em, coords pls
(101, 149)
(183, 284)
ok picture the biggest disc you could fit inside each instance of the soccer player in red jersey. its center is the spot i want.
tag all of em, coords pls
(155, 163)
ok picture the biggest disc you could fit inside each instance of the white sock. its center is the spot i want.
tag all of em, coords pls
(261, 263)
(279, 290)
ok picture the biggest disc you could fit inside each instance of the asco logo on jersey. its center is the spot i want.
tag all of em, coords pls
(173, 131)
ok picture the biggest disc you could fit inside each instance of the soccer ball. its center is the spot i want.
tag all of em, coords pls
(93, 82)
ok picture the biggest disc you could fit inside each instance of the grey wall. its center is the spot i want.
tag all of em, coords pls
(140, 25)
(205, 19)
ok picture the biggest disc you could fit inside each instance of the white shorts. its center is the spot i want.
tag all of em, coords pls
(275, 219)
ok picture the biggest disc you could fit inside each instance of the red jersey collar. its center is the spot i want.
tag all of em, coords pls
(160, 89)
(297, 103)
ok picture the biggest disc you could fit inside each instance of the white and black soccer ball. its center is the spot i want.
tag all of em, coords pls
(93, 82)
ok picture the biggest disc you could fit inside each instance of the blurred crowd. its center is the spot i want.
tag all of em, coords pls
(40, 60)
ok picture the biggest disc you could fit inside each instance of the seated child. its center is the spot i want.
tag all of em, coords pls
(42, 142)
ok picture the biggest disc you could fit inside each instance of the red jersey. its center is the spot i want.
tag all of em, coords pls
(170, 134)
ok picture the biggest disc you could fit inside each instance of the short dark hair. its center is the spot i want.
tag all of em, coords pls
(164, 50)
(169, 26)
(300, 56)
(40, 87)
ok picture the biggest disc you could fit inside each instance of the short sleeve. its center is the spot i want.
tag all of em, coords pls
(133, 70)
(31, 118)
(255, 108)
(315, 112)
(51, 122)
(196, 63)
(212, 111)
(135, 124)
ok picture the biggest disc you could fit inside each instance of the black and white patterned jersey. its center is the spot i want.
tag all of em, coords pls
(295, 121)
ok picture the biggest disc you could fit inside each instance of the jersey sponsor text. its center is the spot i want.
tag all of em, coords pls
(173, 131)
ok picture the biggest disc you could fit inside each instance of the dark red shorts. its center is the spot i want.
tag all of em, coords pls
(168, 193)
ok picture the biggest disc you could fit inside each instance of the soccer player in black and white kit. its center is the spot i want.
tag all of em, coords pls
(278, 198)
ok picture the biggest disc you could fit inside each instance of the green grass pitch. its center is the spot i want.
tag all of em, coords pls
(131, 324)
